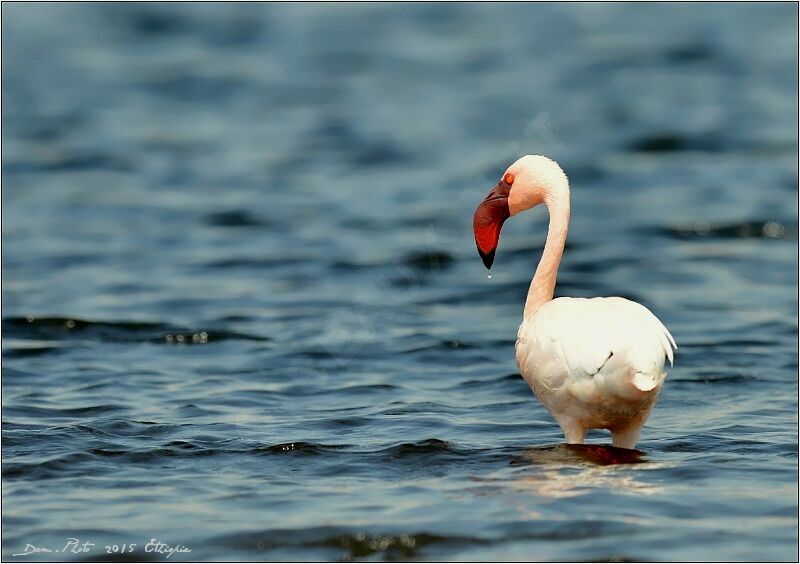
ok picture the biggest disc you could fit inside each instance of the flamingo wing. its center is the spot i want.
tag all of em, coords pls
(577, 354)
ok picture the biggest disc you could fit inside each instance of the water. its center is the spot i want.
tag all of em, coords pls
(243, 311)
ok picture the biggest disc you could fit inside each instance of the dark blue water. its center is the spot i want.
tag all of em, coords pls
(243, 311)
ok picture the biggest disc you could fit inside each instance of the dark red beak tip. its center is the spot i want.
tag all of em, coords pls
(487, 258)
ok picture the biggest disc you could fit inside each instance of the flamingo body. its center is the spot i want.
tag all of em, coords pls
(594, 363)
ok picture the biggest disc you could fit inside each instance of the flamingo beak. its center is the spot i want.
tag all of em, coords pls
(488, 221)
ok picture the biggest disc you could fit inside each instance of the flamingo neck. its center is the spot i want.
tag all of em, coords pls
(544, 281)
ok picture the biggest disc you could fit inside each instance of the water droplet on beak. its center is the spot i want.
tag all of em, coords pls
(489, 276)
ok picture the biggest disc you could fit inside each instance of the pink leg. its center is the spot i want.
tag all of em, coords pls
(626, 437)
(574, 431)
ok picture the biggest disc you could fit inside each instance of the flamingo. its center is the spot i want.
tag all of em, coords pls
(593, 363)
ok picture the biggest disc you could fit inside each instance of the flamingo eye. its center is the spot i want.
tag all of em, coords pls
(508, 178)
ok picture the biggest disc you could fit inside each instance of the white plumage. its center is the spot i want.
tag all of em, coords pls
(594, 363)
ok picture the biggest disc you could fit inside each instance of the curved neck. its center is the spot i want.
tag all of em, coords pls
(544, 281)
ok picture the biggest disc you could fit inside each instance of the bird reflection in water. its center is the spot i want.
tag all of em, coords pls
(596, 455)
(567, 470)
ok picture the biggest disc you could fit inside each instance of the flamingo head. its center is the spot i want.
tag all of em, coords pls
(528, 182)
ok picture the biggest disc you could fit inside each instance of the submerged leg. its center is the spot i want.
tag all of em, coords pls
(626, 437)
(574, 431)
